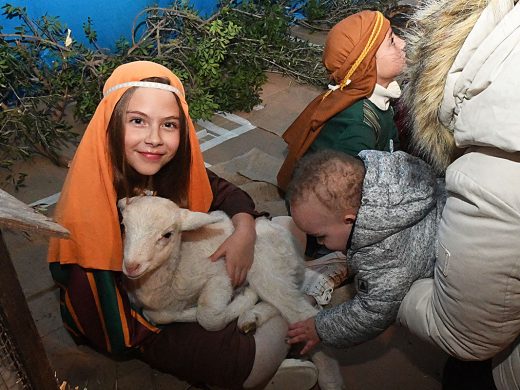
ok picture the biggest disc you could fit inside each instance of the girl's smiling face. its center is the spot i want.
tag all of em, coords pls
(152, 129)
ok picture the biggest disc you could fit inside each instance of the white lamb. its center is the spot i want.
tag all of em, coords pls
(170, 276)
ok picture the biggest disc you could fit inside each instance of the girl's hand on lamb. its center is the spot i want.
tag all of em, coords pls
(238, 249)
(304, 332)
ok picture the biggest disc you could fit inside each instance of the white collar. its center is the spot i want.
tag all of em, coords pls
(381, 95)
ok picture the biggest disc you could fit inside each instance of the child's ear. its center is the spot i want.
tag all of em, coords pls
(349, 219)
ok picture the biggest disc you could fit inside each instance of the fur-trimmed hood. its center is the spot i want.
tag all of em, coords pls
(458, 69)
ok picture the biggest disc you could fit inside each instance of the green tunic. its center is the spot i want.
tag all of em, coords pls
(359, 127)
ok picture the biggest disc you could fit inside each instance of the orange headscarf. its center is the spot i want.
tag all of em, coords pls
(87, 206)
(349, 56)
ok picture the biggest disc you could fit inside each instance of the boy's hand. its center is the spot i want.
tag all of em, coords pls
(238, 249)
(304, 331)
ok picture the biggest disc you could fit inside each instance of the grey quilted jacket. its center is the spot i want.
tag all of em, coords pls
(392, 245)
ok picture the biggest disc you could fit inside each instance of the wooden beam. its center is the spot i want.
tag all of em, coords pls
(21, 327)
(17, 215)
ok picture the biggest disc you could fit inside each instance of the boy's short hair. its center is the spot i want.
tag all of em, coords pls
(335, 178)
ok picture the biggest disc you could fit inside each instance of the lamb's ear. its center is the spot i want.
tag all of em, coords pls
(192, 220)
(121, 203)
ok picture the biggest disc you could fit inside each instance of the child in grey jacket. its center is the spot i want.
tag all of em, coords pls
(383, 211)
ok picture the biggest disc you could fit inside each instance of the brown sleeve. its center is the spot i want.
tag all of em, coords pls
(229, 198)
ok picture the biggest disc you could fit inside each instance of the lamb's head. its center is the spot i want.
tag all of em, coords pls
(152, 232)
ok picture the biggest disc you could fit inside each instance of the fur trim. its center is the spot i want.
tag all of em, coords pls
(435, 35)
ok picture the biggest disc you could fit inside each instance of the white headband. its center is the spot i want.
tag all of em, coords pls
(144, 84)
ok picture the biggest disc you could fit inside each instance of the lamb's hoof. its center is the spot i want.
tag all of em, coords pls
(247, 322)
(248, 328)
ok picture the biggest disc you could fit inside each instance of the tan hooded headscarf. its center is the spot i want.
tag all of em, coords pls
(349, 56)
(87, 206)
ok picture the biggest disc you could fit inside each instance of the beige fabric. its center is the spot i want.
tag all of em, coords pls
(506, 368)
(472, 308)
(381, 95)
(481, 93)
(270, 351)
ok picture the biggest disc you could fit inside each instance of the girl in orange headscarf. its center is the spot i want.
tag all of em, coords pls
(141, 138)
(363, 57)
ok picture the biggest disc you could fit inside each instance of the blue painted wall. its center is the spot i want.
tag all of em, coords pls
(111, 19)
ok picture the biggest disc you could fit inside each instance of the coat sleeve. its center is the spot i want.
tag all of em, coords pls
(372, 310)
(96, 310)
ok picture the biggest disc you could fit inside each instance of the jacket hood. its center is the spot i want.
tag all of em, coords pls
(435, 36)
(399, 190)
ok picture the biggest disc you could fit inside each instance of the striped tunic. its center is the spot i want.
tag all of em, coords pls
(94, 305)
